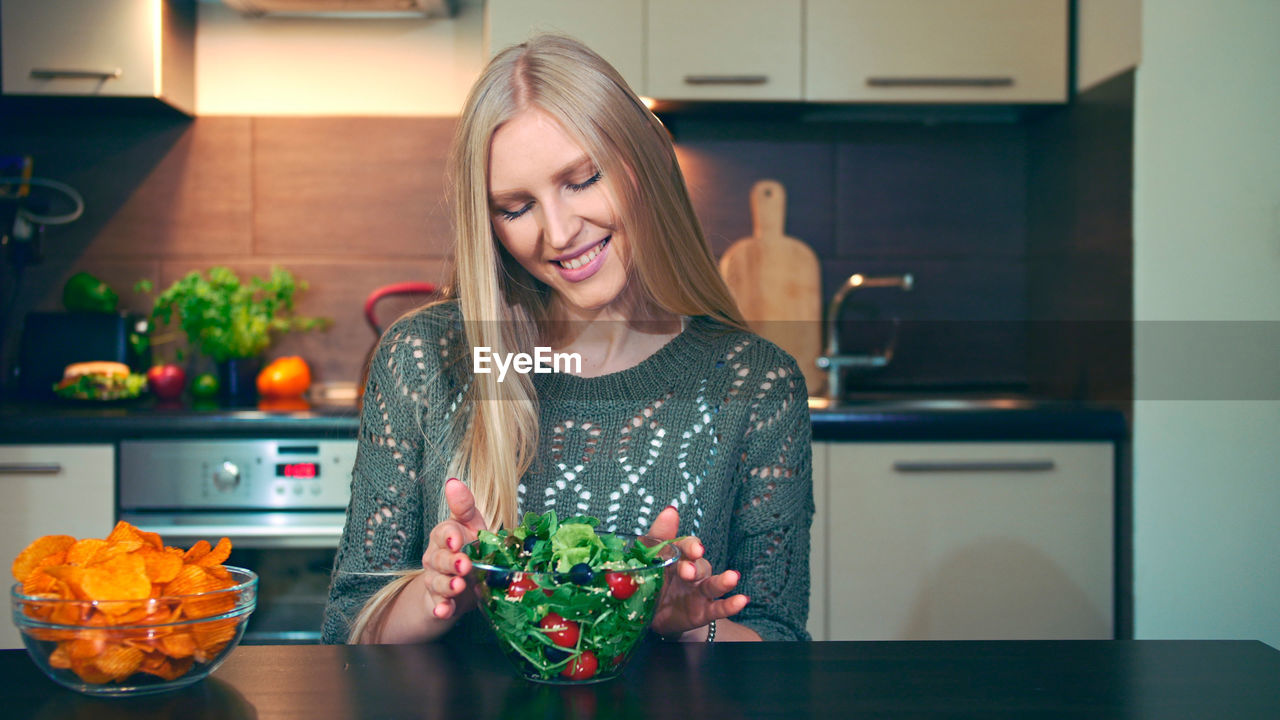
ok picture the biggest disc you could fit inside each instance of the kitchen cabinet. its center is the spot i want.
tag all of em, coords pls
(724, 50)
(613, 28)
(100, 48)
(936, 51)
(52, 490)
(966, 540)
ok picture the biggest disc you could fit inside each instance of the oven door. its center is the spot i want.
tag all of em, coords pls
(292, 552)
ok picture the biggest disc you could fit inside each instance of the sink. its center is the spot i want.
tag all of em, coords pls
(930, 403)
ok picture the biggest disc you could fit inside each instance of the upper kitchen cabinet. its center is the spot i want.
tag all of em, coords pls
(613, 28)
(936, 51)
(100, 48)
(724, 49)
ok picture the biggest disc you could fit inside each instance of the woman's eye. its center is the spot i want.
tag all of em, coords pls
(586, 183)
(510, 215)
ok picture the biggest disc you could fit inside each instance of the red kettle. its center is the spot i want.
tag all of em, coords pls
(404, 288)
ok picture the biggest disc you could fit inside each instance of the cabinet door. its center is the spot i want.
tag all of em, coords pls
(817, 626)
(724, 49)
(85, 36)
(955, 541)
(52, 490)
(612, 28)
(936, 51)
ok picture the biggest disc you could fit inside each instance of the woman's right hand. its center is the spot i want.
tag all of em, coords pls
(445, 566)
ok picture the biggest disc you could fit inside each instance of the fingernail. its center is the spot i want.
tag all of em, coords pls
(669, 507)
(457, 565)
(446, 482)
(451, 543)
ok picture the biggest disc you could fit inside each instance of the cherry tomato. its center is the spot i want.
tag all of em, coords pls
(519, 586)
(581, 667)
(622, 585)
(562, 632)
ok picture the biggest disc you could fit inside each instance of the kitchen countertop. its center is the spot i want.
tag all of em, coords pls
(1030, 678)
(870, 419)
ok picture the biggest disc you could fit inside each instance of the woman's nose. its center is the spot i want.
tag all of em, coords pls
(560, 224)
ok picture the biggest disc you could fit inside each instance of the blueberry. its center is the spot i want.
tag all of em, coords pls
(529, 543)
(498, 579)
(554, 655)
(581, 574)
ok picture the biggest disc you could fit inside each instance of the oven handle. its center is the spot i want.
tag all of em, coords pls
(249, 536)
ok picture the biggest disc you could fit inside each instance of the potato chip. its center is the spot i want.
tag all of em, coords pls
(123, 577)
(120, 661)
(179, 644)
(60, 658)
(197, 551)
(212, 637)
(30, 557)
(114, 549)
(161, 567)
(217, 555)
(83, 551)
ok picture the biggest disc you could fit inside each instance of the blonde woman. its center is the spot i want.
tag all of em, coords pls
(575, 233)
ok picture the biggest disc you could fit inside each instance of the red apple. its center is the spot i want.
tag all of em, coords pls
(166, 381)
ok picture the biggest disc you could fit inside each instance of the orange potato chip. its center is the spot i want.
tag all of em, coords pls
(59, 658)
(197, 551)
(89, 672)
(179, 645)
(83, 551)
(123, 577)
(217, 555)
(29, 559)
(161, 567)
(212, 637)
(120, 661)
(114, 549)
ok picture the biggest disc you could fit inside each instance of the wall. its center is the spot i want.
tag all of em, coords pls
(1207, 258)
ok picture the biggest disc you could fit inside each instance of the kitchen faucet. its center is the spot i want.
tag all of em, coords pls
(833, 362)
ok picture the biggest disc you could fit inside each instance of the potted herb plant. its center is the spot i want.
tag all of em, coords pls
(232, 322)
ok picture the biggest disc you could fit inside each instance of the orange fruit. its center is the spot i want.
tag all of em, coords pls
(284, 377)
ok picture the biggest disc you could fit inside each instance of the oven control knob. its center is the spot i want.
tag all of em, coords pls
(226, 477)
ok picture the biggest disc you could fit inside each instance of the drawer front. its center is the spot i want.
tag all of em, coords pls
(938, 541)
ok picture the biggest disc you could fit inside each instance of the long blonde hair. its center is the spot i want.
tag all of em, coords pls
(503, 307)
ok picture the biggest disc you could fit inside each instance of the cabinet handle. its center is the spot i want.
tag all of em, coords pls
(58, 74)
(726, 79)
(994, 81)
(927, 466)
(30, 469)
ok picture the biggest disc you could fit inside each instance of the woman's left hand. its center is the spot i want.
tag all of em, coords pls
(691, 594)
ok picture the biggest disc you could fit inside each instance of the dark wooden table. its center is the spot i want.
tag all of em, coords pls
(1165, 680)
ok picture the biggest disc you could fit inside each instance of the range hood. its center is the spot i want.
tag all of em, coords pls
(346, 8)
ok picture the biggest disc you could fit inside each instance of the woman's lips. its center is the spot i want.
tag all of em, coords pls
(590, 267)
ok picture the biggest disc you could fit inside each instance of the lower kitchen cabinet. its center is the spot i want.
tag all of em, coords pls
(52, 490)
(963, 540)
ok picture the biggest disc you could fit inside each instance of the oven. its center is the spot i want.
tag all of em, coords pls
(281, 503)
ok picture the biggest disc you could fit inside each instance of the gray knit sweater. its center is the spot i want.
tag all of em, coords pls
(715, 423)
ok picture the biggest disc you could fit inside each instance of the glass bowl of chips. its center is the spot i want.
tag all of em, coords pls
(115, 617)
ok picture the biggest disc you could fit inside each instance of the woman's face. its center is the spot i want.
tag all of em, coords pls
(551, 212)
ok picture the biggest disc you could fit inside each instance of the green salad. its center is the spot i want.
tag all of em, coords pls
(568, 601)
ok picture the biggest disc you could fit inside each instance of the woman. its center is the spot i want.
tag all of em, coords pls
(575, 233)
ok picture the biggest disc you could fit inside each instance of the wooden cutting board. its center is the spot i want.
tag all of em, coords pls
(776, 282)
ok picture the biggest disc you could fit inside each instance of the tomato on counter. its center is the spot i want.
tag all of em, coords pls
(284, 377)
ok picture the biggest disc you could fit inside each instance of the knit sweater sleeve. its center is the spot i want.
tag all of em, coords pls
(773, 508)
(399, 466)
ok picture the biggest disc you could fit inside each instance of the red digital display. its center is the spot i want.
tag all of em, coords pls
(301, 470)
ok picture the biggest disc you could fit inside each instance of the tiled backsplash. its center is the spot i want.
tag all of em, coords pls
(351, 204)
